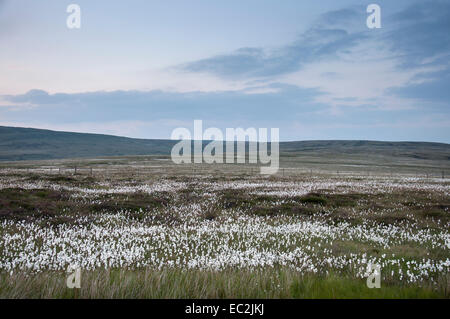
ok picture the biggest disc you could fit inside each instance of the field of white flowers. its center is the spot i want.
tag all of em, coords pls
(310, 225)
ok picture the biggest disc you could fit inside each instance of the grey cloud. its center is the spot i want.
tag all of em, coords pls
(323, 39)
(417, 32)
(421, 31)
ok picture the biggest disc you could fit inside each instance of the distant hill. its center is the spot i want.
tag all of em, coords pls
(413, 150)
(36, 144)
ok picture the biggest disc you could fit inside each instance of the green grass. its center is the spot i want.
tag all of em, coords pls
(174, 283)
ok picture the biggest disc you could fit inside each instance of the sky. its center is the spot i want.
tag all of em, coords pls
(313, 69)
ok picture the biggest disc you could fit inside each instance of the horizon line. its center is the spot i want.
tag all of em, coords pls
(284, 141)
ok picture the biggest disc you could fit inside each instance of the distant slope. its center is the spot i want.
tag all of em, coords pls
(36, 144)
(414, 150)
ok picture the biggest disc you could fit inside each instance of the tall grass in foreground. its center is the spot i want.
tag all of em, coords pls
(174, 283)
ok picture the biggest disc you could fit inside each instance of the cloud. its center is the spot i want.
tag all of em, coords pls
(345, 16)
(429, 87)
(252, 103)
(416, 35)
(154, 114)
(420, 32)
(419, 42)
(323, 39)
(347, 62)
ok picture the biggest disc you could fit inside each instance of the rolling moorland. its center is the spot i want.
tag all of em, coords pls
(36, 144)
(140, 226)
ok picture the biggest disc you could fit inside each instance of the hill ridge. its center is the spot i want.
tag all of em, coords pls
(20, 143)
